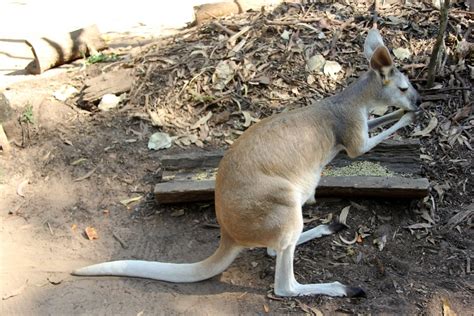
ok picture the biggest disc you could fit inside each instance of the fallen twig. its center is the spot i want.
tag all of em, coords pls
(435, 55)
(120, 240)
(87, 175)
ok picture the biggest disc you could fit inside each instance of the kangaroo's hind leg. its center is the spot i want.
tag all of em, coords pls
(286, 284)
(316, 232)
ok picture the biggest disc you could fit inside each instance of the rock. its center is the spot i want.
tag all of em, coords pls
(108, 102)
(160, 140)
(331, 68)
(64, 93)
(316, 63)
(6, 114)
(6, 111)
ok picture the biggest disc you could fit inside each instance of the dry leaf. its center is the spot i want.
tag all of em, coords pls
(20, 188)
(156, 119)
(225, 71)
(202, 120)
(427, 130)
(285, 35)
(402, 53)
(349, 242)
(178, 213)
(266, 308)
(78, 161)
(248, 118)
(327, 219)
(460, 217)
(87, 175)
(419, 226)
(91, 233)
(427, 217)
(73, 227)
(343, 215)
(380, 242)
(131, 200)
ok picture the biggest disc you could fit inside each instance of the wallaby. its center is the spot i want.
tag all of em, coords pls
(268, 174)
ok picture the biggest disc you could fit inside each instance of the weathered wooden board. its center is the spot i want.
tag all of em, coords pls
(399, 157)
(192, 160)
(115, 82)
(387, 187)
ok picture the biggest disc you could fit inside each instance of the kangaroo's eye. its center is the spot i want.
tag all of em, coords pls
(403, 89)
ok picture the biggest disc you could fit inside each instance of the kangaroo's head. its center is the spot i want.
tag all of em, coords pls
(393, 88)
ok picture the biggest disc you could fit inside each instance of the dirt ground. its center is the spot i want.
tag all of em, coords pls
(44, 212)
(71, 168)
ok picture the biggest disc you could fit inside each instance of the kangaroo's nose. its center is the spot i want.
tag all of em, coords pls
(418, 101)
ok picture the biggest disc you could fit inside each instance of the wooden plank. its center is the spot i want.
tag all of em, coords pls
(184, 191)
(399, 157)
(192, 160)
(387, 187)
(373, 187)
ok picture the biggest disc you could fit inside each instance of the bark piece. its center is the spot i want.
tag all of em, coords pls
(114, 82)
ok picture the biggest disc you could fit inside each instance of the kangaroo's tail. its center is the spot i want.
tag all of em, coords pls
(170, 272)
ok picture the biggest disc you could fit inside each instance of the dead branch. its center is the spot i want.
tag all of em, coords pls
(433, 66)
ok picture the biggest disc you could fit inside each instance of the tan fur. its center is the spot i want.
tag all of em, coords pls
(275, 164)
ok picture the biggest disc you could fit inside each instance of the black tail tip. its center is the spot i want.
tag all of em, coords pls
(337, 226)
(354, 291)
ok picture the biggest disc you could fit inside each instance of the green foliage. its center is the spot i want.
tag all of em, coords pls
(101, 58)
(27, 116)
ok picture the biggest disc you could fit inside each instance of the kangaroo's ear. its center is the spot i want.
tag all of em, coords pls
(372, 42)
(381, 60)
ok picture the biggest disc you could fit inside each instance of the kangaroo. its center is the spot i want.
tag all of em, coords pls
(274, 167)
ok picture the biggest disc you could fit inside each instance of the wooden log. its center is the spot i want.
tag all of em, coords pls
(397, 156)
(208, 11)
(115, 82)
(57, 49)
(350, 187)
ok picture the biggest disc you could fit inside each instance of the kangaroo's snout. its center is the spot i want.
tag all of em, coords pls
(415, 102)
(418, 100)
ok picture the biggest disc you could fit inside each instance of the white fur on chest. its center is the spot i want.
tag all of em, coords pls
(308, 187)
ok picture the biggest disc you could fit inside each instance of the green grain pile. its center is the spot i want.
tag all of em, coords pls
(359, 168)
